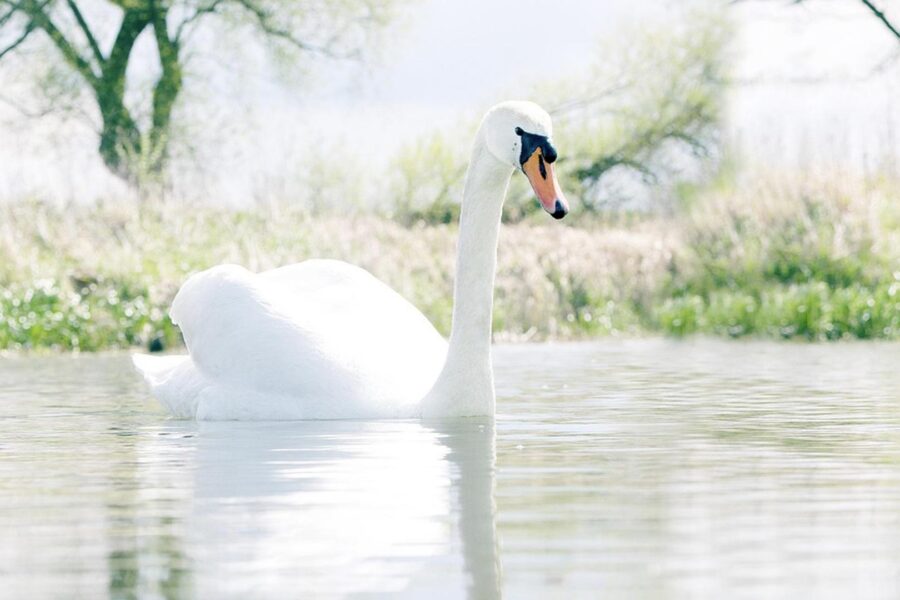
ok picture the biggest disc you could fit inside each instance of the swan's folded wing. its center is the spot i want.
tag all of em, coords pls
(235, 335)
(318, 328)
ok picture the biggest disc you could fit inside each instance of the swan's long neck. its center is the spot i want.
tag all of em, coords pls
(465, 386)
(476, 256)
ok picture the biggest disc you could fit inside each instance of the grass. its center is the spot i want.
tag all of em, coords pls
(788, 259)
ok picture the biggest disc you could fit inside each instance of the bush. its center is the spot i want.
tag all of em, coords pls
(81, 316)
(812, 261)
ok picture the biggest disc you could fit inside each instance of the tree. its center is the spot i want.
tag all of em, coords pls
(644, 117)
(128, 142)
(647, 115)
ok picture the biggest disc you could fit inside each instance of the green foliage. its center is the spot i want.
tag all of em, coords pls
(71, 315)
(786, 260)
(427, 181)
(808, 260)
(681, 315)
(813, 311)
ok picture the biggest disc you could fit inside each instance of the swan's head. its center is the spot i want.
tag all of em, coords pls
(518, 133)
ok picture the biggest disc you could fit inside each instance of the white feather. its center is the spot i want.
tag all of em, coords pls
(321, 339)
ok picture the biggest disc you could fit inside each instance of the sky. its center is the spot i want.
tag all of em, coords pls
(817, 86)
(804, 94)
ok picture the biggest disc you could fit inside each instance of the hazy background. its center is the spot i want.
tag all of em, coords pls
(815, 85)
(732, 166)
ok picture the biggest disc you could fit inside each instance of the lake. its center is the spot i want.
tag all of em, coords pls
(640, 469)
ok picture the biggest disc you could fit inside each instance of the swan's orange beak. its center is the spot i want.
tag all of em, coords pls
(543, 181)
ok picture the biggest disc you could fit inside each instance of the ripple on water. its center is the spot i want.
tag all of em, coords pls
(647, 468)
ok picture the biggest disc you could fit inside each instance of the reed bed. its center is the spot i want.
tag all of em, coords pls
(783, 259)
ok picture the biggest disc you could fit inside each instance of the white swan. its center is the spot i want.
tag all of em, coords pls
(323, 339)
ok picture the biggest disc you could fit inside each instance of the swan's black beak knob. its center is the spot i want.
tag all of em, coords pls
(560, 210)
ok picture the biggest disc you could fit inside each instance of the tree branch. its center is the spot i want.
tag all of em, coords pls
(264, 22)
(18, 41)
(203, 10)
(92, 41)
(23, 110)
(40, 19)
(882, 17)
(6, 17)
(879, 14)
(583, 102)
(133, 24)
(167, 88)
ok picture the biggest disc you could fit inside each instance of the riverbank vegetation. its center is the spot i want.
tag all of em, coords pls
(813, 259)
(671, 231)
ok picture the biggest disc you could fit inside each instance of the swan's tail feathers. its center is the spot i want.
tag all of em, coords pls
(157, 369)
(173, 380)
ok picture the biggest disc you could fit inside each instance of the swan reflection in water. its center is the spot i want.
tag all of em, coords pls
(340, 508)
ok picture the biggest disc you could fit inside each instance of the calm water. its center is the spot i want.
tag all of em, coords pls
(640, 469)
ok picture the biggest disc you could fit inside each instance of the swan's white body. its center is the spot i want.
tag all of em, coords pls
(323, 339)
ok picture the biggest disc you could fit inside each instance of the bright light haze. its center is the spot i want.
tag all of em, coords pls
(443, 63)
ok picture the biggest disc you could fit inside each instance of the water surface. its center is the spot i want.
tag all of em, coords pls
(640, 469)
